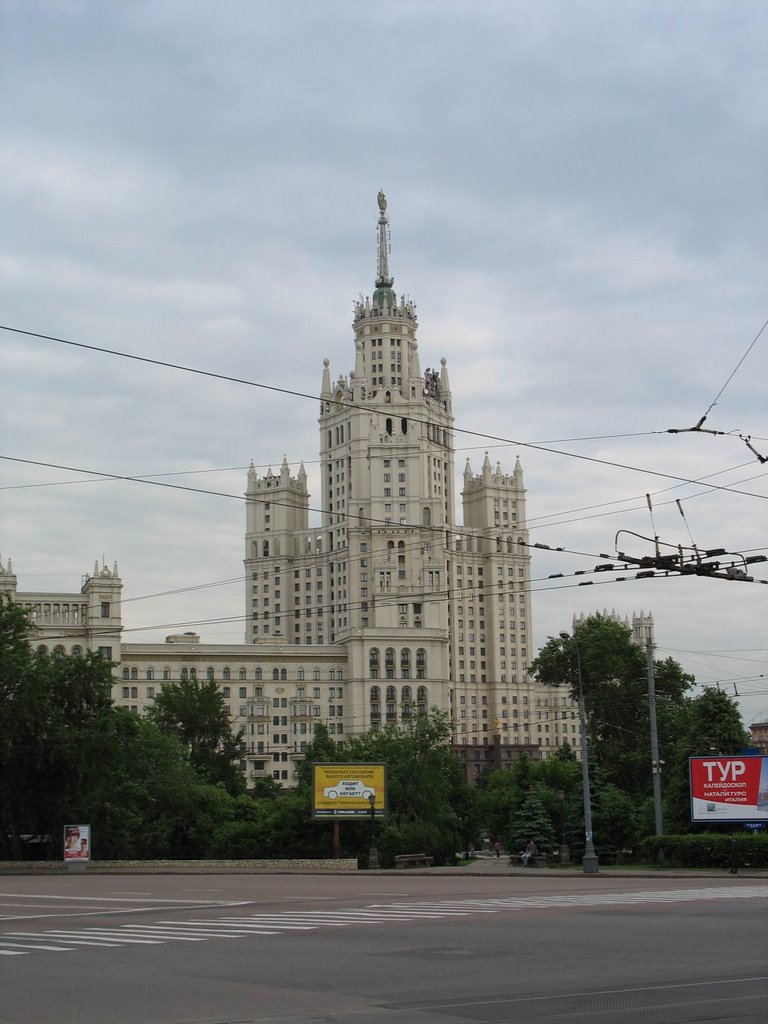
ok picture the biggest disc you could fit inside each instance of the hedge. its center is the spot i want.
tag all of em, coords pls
(707, 850)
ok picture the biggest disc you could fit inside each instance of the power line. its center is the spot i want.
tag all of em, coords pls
(300, 394)
(448, 594)
(734, 371)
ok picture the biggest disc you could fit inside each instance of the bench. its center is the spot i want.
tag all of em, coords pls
(539, 860)
(413, 860)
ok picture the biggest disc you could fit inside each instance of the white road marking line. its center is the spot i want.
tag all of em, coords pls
(109, 899)
(253, 928)
(319, 899)
(115, 934)
(29, 945)
(58, 936)
(164, 929)
(161, 933)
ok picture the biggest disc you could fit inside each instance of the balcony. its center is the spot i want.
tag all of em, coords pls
(258, 711)
(301, 711)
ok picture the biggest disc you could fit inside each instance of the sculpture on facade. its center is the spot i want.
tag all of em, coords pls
(431, 383)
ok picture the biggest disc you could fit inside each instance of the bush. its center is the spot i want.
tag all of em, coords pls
(707, 850)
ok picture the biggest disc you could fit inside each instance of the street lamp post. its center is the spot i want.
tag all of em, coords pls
(373, 853)
(589, 862)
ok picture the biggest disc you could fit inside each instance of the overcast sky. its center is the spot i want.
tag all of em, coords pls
(577, 197)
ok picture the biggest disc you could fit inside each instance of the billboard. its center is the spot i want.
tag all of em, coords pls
(77, 843)
(729, 788)
(349, 790)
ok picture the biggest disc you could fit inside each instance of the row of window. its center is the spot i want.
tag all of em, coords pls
(77, 651)
(278, 675)
(391, 662)
(406, 694)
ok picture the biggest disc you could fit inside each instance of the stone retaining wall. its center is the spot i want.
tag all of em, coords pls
(182, 866)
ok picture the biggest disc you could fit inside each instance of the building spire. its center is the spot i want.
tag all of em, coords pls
(383, 280)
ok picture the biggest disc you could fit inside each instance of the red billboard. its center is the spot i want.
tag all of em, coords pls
(729, 788)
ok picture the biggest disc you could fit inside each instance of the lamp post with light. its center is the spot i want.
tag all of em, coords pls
(589, 862)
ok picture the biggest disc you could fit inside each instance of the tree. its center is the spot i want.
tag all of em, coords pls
(712, 724)
(54, 716)
(504, 794)
(429, 806)
(616, 818)
(614, 678)
(531, 821)
(195, 713)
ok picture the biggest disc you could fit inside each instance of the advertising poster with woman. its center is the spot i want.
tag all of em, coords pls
(77, 843)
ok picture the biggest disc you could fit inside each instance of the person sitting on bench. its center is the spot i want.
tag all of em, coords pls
(530, 851)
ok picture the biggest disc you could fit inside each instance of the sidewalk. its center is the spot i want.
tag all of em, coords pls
(491, 866)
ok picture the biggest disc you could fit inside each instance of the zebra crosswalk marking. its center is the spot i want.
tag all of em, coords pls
(278, 923)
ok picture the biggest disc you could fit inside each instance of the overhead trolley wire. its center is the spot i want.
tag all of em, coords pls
(301, 394)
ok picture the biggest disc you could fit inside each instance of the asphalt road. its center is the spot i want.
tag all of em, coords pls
(370, 949)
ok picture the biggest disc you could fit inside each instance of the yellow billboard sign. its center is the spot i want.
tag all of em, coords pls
(349, 790)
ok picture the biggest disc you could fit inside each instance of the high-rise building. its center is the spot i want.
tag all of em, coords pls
(388, 599)
(641, 624)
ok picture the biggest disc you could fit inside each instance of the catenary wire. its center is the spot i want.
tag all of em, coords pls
(300, 394)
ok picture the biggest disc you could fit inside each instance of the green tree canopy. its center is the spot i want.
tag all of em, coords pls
(54, 716)
(195, 713)
(430, 807)
(712, 724)
(67, 755)
(614, 675)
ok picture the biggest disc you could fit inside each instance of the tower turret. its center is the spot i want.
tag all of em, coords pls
(384, 296)
(8, 581)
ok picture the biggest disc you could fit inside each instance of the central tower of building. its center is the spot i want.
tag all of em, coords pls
(386, 447)
(425, 613)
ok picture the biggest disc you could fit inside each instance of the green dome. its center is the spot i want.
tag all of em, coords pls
(384, 297)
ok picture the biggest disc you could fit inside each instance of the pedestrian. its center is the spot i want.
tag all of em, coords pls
(530, 851)
(497, 846)
(732, 859)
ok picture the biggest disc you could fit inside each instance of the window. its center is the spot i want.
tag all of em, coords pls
(421, 663)
(389, 663)
(105, 609)
(405, 663)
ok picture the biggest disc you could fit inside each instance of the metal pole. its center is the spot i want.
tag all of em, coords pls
(589, 862)
(373, 853)
(655, 762)
(336, 840)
